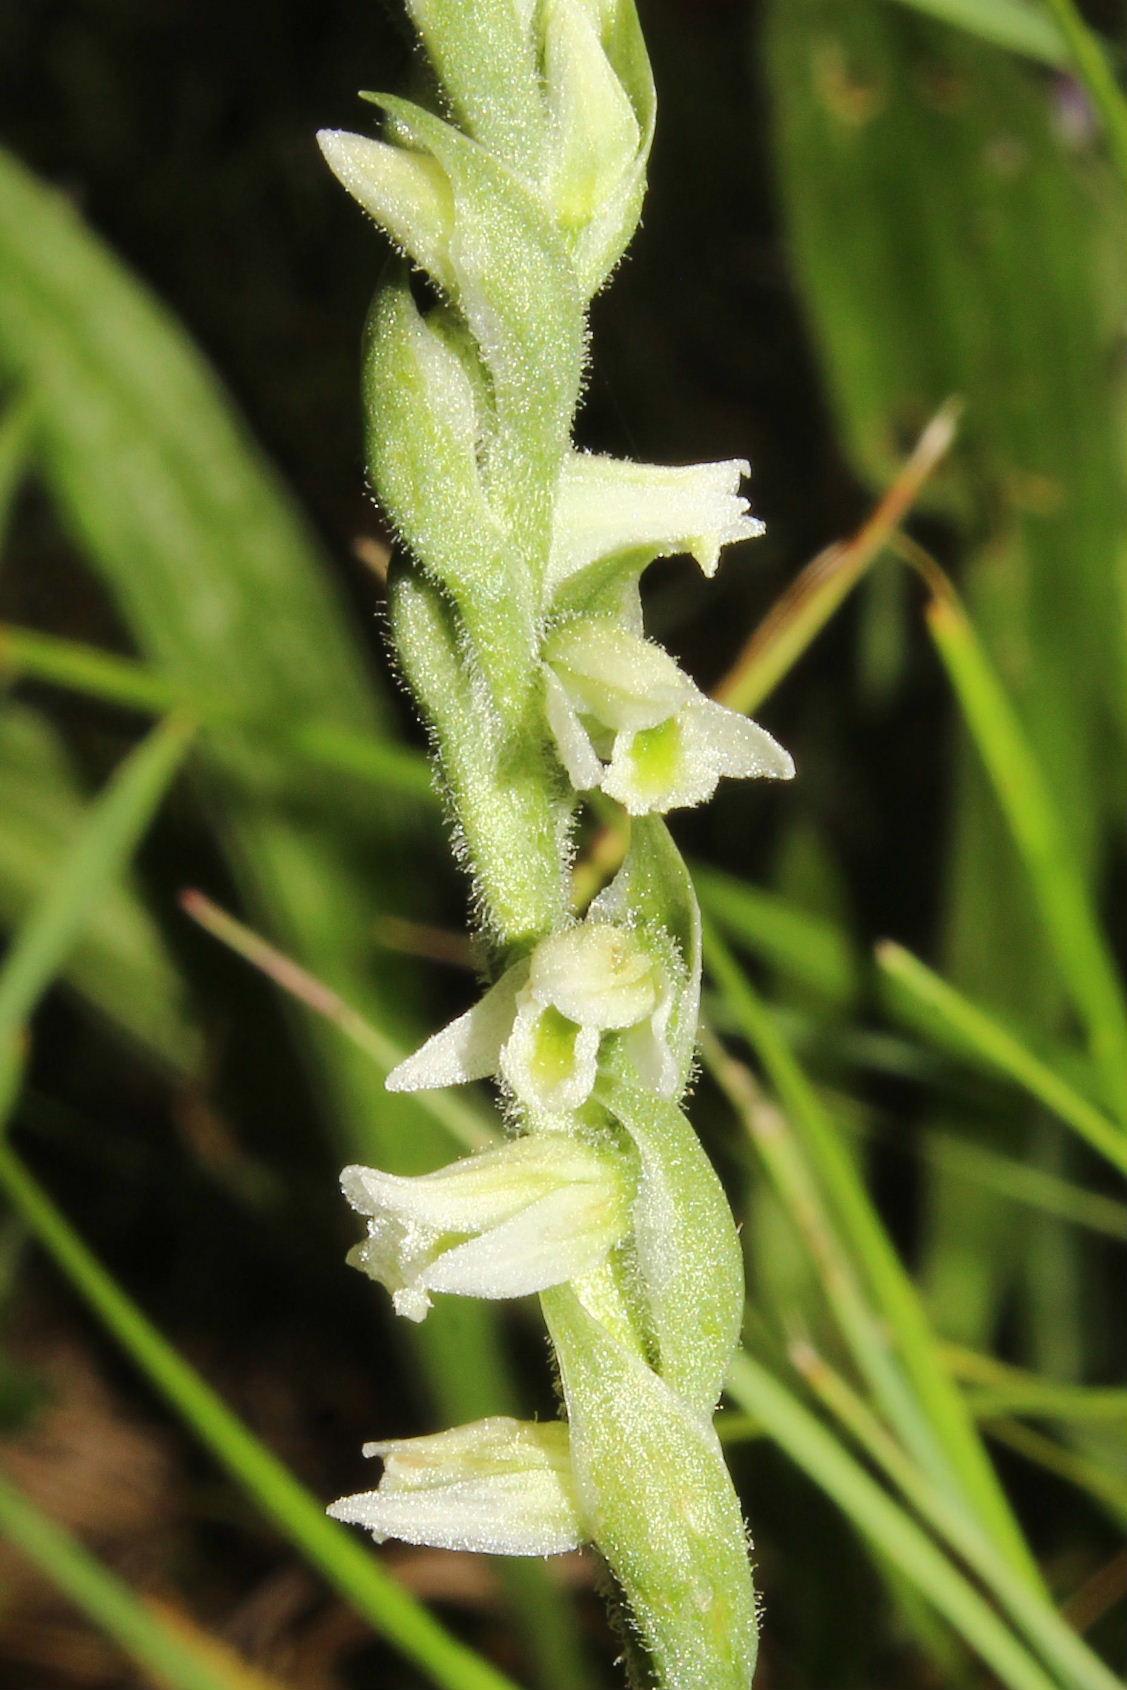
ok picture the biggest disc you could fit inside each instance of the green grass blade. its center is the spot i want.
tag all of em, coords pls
(863, 1331)
(1090, 61)
(116, 822)
(350, 1567)
(1015, 24)
(119, 963)
(1031, 1610)
(1108, 1489)
(996, 1046)
(872, 1250)
(1086, 968)
(1023, 1182)
(883, 1522)
(134, 686)
(15, 453)
(167, 1655)
(805, 947)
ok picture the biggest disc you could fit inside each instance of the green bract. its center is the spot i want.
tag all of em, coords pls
(517, 618)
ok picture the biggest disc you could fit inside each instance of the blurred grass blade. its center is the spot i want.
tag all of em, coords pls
(1023, 1182)
(226, 593)
(994, 1044)
(808, 603)
(803, 946)
(115, 823)
(163, 1652)
(118, 961)
(349, 1565)
(15, 454)
(883, 1522)
(1090, 62)
(1031, 1610)
(1086, 967)
(863, 1330)
(872, 1250)
(464, 1123)
(1106, 1488)
(1023, 26)
(133, 686)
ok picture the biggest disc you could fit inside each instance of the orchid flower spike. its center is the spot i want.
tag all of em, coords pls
(627, 719)
(533, 1212)
(498, 1486)
(541, 1026)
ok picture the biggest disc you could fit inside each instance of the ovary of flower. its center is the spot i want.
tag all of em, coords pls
(627, 719)
(541, 1025)
(531, 1213)
(498, 1486)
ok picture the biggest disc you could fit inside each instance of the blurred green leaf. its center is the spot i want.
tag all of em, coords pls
(88, 868)
(15, 439)
(992, 1043)
(227, 596)
(873, 1253)
(882, 1521)
(172, 1657)
(118, 961)
(803, 946)
(347, 1564)
(1086, 967)
(1024, 26)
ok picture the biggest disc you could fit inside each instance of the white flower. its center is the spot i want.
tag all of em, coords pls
(531, 1213)
(607, 508)
(542, 1024)
(627, 719)
(499, 1486)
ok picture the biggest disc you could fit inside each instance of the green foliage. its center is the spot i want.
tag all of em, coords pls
(920, 1140)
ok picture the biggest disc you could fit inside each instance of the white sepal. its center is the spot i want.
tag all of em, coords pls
(468, 1049)
(606, 507)
(507, 1222)
(621, 679)
(499, 1486)
(573, 742)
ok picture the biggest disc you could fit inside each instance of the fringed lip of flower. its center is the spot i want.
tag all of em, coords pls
(506, 1222)
(541, 1025)
(499, 1486)
(627, 719)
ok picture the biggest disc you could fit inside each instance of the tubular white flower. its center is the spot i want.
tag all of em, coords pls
(499, 1486)
(610, 693)
(607, 508)
(531, 1213)
(541, 1025)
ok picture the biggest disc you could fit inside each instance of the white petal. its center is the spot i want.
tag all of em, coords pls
(468, 1049)
(605, 506)
(610, 673)
(476, 1192)
(560, 1237)
(733, 744)
(648, 1048)
(650, 771)
(597, 974)
(550, 1062)
(573, 743)
(499, 1486)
